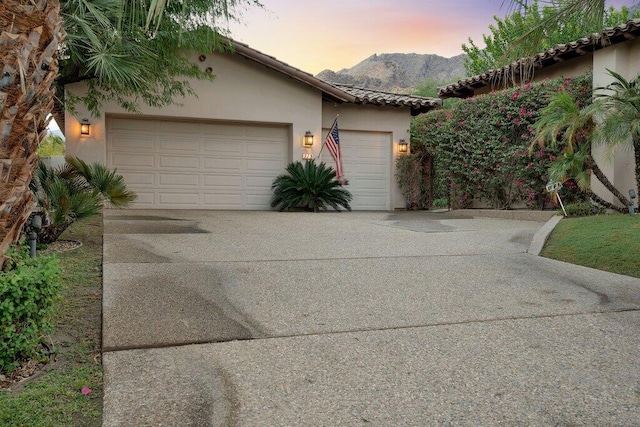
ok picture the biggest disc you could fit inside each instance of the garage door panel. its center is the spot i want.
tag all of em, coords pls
(268, 149)
(179, 179)
(133, 143)
(170, 162)
(223, 181)
(145, 200)
(198, 165)
(223, 201)
(123, 161)
(180, 145)
(191, 199)
(261, 166)
(223, 148)
(133, 178)
(254, 182)
(223, 164)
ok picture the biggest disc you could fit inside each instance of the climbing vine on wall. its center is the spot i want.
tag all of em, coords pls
(481, 146)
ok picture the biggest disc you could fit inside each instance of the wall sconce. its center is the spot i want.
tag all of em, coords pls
(307, 156)
(403, 147)
(307, 139)
(85, 127)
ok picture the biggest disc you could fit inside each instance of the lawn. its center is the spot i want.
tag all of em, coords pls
(605, 242)
(54, 395)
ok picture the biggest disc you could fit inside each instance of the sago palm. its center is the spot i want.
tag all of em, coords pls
(309, 186)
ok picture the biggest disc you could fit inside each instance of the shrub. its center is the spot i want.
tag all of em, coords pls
(583, 209)
(29, 291)
(481, 146)
(75, 191)
(309, 186)
(440, 203)
(51, 145)
(414, 179)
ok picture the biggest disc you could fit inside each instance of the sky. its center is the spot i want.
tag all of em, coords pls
(314, 35)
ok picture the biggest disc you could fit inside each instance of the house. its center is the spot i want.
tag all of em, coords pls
(616, 49)
(223, 148)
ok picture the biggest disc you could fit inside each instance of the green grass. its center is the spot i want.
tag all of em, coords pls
(54, 396)
(605, 242)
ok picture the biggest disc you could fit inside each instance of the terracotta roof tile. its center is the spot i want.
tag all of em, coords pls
(337, 92)
(418, 104)
(558, 53)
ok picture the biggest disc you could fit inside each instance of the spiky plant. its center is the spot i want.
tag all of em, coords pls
(309, 186)
(74, 191)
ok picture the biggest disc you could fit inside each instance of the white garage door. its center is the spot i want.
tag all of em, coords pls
(192, 165)
(366, 161)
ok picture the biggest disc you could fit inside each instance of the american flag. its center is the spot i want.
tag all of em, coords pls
(332, 142)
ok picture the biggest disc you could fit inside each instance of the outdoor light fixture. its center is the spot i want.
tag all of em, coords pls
(307, 156)
(85, 127)
(307, 139)
(403, 147)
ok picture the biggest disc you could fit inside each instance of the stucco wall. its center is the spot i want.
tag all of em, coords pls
(370, 118)
(246, 91)
(624, 59)
(242, 91)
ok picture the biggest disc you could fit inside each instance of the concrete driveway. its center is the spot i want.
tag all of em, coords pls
(282, 319)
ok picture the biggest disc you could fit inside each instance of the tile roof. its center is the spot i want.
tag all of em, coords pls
(336, 92)
(418, 104)
(558, 53)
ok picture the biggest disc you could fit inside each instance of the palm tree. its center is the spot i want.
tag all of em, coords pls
(617, 108)
(564, 123)
(31, 33)
(113, 45)
(309, 186)
(75, 191)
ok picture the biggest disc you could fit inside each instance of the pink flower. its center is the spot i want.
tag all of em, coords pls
(514, 96)
(527, 86)
(516, 121)
(86, 390)
(518, 183)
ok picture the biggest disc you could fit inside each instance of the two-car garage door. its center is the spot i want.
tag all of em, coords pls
(197, 165)
(227, 165)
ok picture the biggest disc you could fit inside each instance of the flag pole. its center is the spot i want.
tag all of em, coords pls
(325, 140)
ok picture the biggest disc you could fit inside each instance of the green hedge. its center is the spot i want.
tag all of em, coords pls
(481, 145)
(29, 291)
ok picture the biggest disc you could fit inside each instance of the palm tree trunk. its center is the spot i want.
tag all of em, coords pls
(30, 32)
(591, 164)
(636, 151)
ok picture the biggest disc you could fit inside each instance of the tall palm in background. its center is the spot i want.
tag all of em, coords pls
(127, 51)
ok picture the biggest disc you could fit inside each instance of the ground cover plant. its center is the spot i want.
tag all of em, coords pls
(605, 242)
(67, 391)
(481, 146)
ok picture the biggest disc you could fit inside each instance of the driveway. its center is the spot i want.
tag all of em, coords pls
(280, 319)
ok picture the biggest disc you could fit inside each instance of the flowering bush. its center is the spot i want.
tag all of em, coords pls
(481, 146)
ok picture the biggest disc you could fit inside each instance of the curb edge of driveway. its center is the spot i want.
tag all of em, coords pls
(541, 236)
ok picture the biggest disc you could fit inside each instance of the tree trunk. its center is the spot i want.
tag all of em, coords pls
(30, 31)
(591, 164)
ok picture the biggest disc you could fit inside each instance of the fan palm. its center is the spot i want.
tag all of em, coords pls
(74, 191)
(309, 186)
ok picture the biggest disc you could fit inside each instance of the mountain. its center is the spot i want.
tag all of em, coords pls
(398, 72)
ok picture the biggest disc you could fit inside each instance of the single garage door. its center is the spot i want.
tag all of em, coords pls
(366, 161)
(195, 165)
